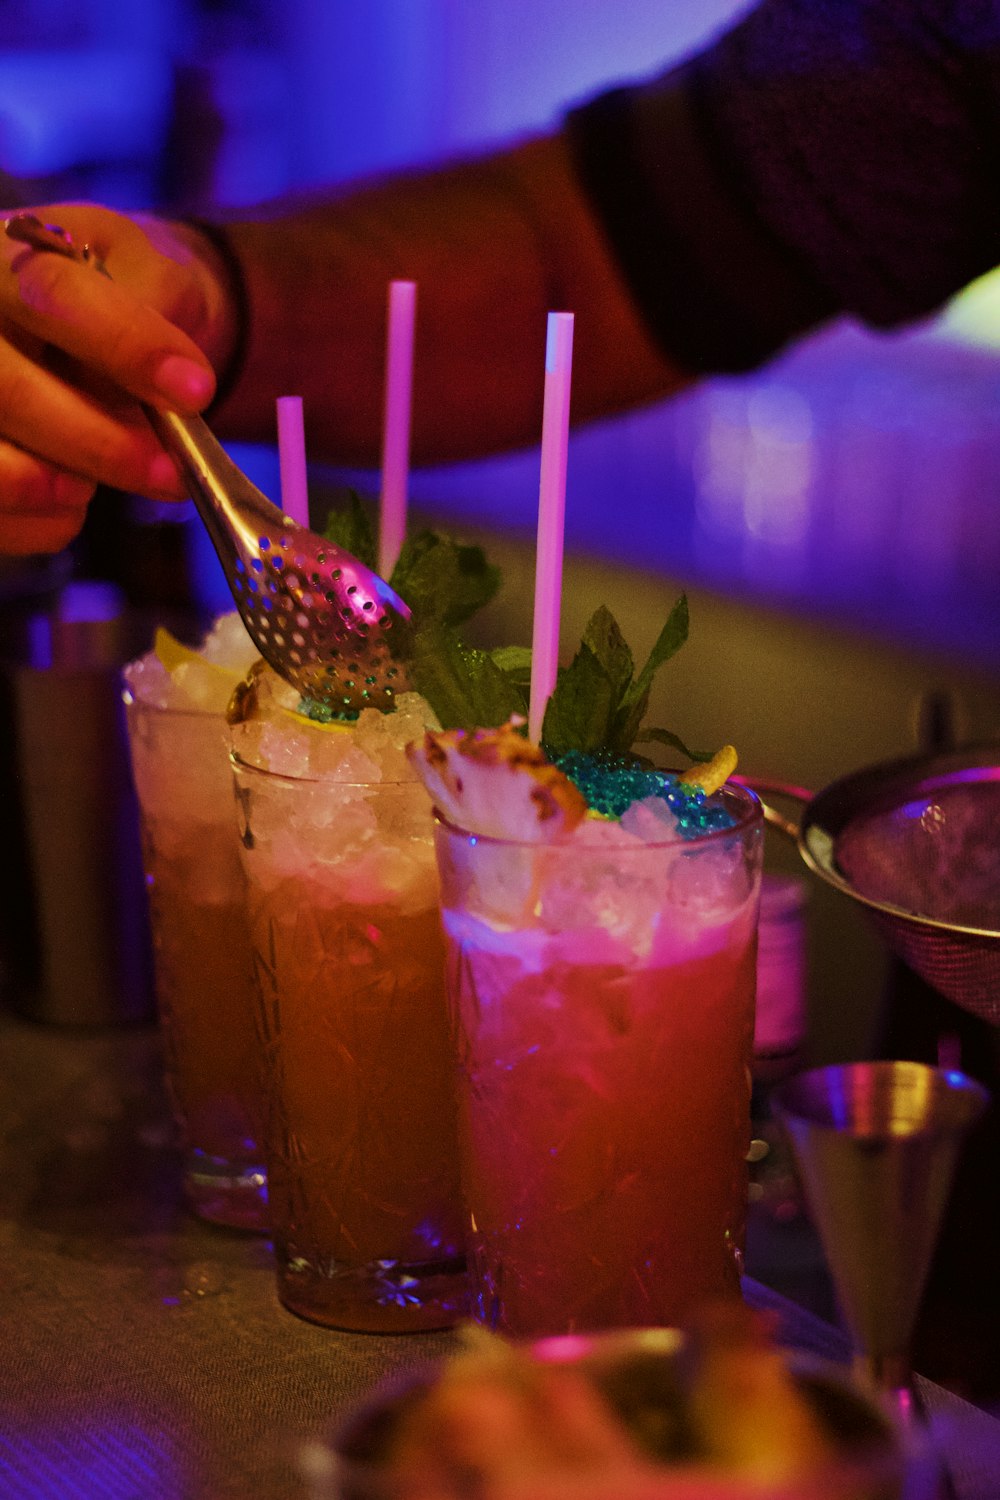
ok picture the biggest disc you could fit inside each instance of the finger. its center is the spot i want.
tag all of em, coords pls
(29, 485)
(20, 338)
(26, 536)
(166, 266)
(41, 508)
(67, 428)
(105, 327)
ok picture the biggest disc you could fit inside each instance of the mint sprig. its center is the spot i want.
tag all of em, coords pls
(442, 579)
(444, 582)
(439, 578)
(466, 688)
(600, 701)
(353, 529)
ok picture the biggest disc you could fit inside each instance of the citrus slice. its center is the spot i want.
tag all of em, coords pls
(714, 773)
(172, 653)
(493, 782)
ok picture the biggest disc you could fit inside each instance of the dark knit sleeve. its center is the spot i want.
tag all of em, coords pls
(822, 157)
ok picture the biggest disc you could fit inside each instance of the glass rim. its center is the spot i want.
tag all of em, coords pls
(132, 699)
(240, 763)
(752, 815)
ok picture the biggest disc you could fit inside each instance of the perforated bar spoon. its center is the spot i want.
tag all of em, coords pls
(318, 616)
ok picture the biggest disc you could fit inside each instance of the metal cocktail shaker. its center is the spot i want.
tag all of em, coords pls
(74, 936)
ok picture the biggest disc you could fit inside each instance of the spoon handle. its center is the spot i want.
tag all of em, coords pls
(212, 477)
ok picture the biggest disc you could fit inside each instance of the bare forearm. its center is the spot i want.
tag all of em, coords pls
(493, 245)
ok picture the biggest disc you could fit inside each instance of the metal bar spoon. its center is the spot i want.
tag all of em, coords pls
(318, 616)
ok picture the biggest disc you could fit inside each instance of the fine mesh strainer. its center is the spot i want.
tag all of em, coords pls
(325, 623)
(958, 954)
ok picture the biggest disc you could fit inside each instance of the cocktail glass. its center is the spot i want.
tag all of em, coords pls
(602, 997)
(203, 968)
(360, 1134)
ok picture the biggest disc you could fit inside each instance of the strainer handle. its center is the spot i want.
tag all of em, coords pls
(765, 787)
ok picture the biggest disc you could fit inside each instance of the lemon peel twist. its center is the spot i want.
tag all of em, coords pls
(714, 773)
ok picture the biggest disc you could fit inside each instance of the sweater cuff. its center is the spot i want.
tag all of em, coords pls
(229, 376)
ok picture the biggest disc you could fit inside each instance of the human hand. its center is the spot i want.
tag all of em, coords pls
(80, 351)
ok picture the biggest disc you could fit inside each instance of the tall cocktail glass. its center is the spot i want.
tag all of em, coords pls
(602, 996)
(203, 969)
(360, 1135)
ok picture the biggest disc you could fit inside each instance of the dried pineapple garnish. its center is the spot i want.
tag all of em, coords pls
(494, 782)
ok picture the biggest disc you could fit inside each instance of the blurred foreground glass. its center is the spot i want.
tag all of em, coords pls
(360, 1135)
(602, 1001)
(640, 1373)
(204, 973)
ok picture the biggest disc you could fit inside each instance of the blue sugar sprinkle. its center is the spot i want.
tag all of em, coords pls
(326, 713)
(612, 783)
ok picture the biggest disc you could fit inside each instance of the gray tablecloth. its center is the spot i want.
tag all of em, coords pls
(145, 1355)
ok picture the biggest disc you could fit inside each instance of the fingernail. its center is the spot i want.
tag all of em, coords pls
(162, 475)
(181, 380)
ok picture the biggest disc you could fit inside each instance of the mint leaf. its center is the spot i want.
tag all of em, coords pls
(443, 582)
(465, 688)
(604, 637)
(515, 661)
(626, 722)
(631, 710)
(664, 737)
(443, 579)
(599, 701)
(669, 641)
(437, 576)
(353, 529)
(578, 713)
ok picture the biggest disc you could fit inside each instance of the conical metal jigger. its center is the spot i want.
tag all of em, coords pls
(876, 1144)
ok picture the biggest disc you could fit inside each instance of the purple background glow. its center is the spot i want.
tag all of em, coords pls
(854, 480)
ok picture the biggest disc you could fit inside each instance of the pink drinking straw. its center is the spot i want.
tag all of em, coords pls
(292, 459)
(551, 517)
(396, 424)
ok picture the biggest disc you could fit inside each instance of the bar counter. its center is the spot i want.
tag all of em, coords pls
(145, 1354)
